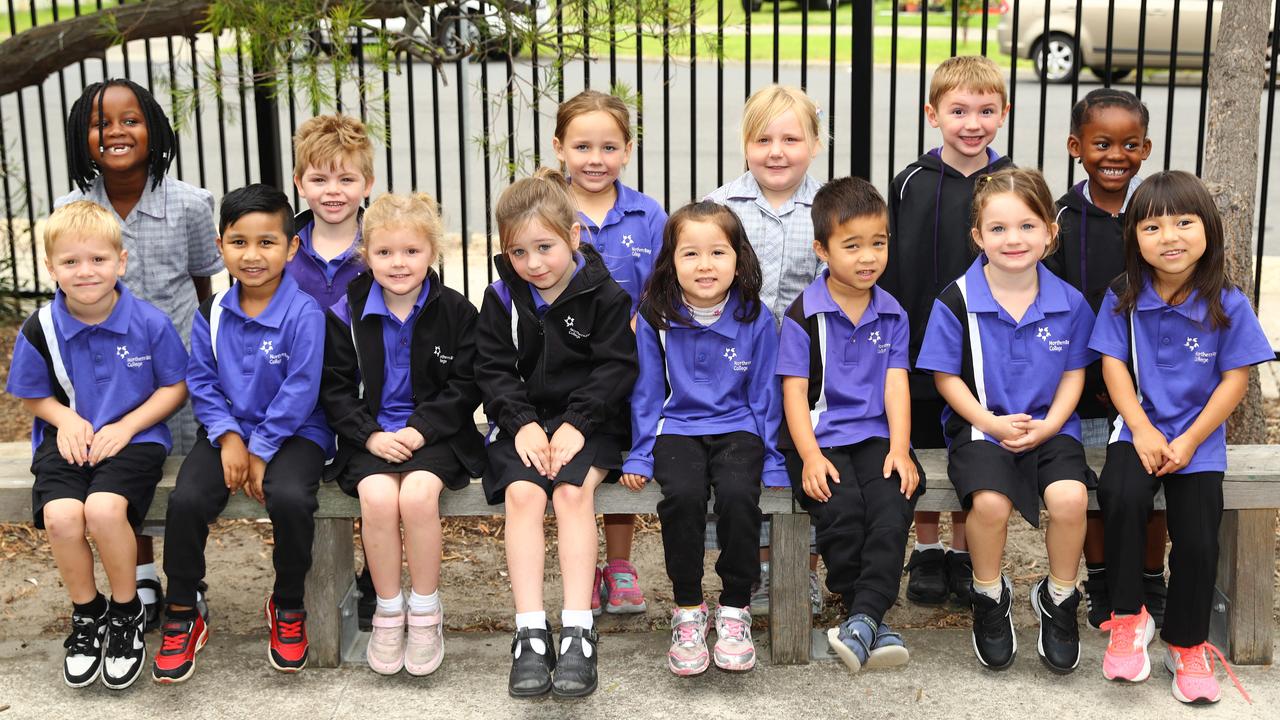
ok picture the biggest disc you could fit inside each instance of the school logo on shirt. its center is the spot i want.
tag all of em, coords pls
(1043, 334)
(1192, 344)
(1204, 358)
(130, 361)
(874, 339)
(731, 354)
(273, 358)
(629, 243)
(574, 332)
(441, 357)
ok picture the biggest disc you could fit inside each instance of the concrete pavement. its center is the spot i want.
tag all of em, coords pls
(943, 681)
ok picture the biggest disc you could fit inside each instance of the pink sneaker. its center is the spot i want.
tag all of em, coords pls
(1192, 669)
(1126, 657)
(425, 647)
(734, 649)
(599, 593)
(622, 591)
(386, 643)
(688, 653)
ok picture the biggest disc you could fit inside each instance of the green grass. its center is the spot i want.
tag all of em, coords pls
(791, 12)
(44, 15)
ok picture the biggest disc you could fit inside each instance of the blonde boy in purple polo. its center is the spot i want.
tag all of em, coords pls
(101, 370)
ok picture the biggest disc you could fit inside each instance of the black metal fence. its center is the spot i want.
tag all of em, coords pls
(465, 129)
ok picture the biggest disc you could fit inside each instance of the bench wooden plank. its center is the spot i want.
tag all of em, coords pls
(1246, 575)
(789, 604)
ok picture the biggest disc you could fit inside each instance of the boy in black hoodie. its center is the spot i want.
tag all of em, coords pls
(929, 219)
(556, 359)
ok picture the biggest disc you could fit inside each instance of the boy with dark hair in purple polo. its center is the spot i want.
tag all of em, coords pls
(843, 363)
(101, 370)
(257, 350)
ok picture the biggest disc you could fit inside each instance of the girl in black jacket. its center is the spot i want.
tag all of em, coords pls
(399, 390)
(556, 362)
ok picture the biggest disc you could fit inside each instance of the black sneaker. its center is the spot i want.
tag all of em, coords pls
(959, 576)
(993, 639)
(126, 649)
(153, 610)
(1097, 598)
(367, 601)
(1059, 639)
(927, 577)
(1154, 592)
(83, 662)
(576, 669)
(530, 671)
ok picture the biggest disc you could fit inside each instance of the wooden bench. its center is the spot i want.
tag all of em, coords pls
(1242, 622)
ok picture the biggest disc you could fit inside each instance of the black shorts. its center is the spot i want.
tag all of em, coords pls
(505, 467)
(975, 465)
(133, 474)
(436, 458)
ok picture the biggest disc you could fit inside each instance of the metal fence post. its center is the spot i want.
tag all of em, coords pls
(861, 98)
(267, 119)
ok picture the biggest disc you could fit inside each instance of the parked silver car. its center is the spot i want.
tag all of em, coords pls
(460, 25)
(1068, 52)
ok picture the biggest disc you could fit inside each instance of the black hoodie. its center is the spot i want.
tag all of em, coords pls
(1090, 256)
(930, 205)
(576, 362)
(442, 356)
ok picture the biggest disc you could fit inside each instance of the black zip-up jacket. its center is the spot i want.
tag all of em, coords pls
(1090, 256)
(442, 358)
(577, 362)
(930, 209)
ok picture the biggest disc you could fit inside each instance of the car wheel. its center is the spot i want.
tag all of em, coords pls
(457, 32)
(752, 5)
(1056, 60)
(822, 4)
(1116, 75)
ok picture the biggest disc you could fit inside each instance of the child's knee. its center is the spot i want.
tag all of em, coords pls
(990, 506)
(1067, 502)
(572, 498)
(105, 512)
(64, 521)
(380, 505)
(525, 498)
(420, 502)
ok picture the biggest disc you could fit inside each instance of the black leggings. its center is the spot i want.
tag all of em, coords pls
(687, 468)
(289, 486)
(1194, 503)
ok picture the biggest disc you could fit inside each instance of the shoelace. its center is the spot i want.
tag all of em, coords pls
(1196, 661)
(733, 629)
(623, 580)
(119, 630)
(289, 630)
(689, 633)
(82, 637)
(175, 638)
(1123, 630)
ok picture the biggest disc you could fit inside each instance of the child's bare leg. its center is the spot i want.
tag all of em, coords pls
(1157, 536)
(146, 549)
(423, 538)
(1093, 539)
(576, 529)
(1066, 501)
(64, 523)
(987, 528)
(619, 531)
(927, 527)
(526, 504)
(958, 540)
(106, 518)
(380, 531)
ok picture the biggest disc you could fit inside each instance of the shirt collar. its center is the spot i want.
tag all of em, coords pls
(818, 299)
(746, 188)
(1193, 308)
(992, 155)
(277, 308)
(1134, 182)
(538, 303)
(304, 242)
(1050, 297)
(724, 326)
(377, 304)
(151, 202)
(117, 322)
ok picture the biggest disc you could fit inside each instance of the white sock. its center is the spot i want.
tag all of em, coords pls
(1059, 591)
(921, 547)
(533, 621)
(147, 572)
(576, 618)
(423, 604)
(391, 604)
(991, 590)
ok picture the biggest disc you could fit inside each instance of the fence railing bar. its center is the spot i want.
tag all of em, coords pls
(1264, 191)
(1204, 85)
(1075, 88)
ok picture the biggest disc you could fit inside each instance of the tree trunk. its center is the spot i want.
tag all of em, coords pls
(1236, 78)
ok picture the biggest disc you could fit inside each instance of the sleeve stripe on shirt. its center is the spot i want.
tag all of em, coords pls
(975, 352)
(1137, 386)
(821, 405)
(55, 353)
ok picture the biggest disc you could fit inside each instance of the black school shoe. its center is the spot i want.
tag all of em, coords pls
(1097, 598)
(1154, 593)
(927, 577)
(530, 671)
(153, 610)
(1059, 638)
(576, 670)
(993, 639)
(83, 661)
(959, 576)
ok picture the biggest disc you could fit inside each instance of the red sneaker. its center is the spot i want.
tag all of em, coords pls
(288, 652)
(180, 641)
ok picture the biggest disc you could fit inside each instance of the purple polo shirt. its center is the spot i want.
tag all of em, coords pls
(1180, 361)
(324, 280)
(721, 380)
(113, 366)
(264, 383)
(397, 337)
(629, 239)
(856, 357)
(1020, 362)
